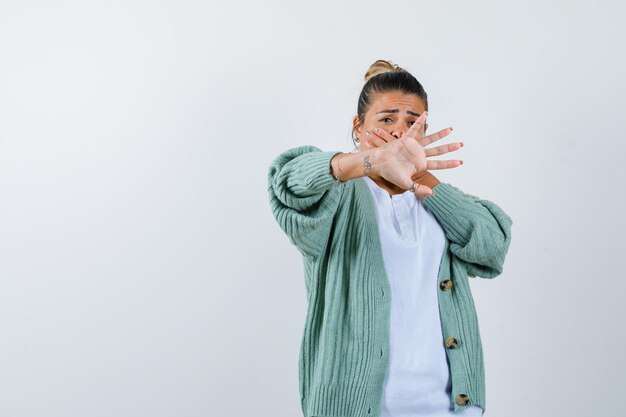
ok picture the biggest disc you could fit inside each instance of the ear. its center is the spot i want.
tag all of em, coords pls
(355, 120)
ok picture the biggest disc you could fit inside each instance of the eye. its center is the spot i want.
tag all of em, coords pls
(385, 118)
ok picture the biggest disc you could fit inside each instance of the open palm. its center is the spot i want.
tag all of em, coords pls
(404, 160)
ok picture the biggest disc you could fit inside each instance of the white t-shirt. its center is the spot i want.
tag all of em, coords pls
(418, 381)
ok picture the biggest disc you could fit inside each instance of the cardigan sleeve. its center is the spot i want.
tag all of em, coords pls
(478, 230)
(302, 197)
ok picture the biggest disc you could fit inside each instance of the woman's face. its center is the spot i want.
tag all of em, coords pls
(394, 112)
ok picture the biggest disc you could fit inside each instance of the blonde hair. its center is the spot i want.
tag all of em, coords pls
(381, 66)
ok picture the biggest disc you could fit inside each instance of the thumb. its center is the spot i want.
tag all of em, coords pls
(422, 190)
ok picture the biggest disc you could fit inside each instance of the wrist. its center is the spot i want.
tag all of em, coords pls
(371, 161)
(352, 165)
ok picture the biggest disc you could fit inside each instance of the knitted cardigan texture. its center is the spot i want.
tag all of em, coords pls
(345, 343)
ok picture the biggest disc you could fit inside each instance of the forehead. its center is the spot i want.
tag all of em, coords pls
(396, 100)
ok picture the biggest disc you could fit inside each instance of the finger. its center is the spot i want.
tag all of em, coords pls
(440, 150)
(374, 140)
(422, 190)
(383, 134)
(415, 127)
(422, 197)
(427, 140)
(453, 163)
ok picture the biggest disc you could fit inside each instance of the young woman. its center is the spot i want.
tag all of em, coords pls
(391, 329)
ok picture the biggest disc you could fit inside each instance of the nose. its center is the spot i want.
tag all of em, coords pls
(397, 132)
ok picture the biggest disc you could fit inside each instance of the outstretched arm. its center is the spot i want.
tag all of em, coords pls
(302, 192)
(479, 231)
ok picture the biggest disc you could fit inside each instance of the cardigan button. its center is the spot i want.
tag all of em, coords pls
(445, 285)
(462, 399)
(451, 342)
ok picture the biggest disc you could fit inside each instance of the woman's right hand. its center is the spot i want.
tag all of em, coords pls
(401, 161)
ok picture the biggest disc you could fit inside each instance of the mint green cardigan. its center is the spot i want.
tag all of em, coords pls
(345, 344)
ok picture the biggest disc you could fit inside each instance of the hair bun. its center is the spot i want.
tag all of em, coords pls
(379, 67)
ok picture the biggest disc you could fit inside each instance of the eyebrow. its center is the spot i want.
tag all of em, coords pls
(397, 110)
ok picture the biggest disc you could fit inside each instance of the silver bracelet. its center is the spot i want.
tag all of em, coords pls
(337, 180)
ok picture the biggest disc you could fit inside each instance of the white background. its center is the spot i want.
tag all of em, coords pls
(141, 270)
